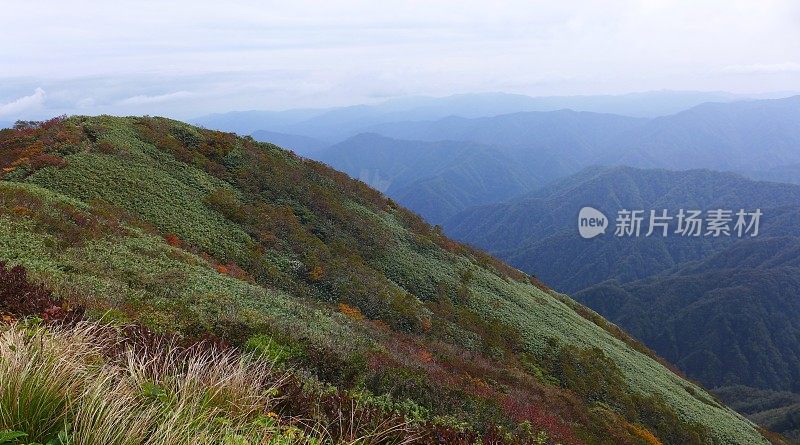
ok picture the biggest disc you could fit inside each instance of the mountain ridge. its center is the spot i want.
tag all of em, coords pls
(199, 232)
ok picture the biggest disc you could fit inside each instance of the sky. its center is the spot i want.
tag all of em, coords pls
(188, 58)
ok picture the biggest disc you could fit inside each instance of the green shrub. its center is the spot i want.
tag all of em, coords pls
(266, 347)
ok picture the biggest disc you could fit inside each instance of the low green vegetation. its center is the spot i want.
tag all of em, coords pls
(200, 233)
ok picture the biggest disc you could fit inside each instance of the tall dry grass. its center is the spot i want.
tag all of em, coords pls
(86, 384)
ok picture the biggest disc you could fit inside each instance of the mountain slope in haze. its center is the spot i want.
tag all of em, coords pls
(545, 145)
(583, 130)
(302, 145)
(783, 173)
(247, 122)
(760, 139)
(740, 136)
(438, 168)
(201, 232)
(435, 179)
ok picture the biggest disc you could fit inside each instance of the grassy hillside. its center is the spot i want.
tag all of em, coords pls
(186, 230)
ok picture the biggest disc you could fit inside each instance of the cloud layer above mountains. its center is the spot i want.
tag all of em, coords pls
(186, 58)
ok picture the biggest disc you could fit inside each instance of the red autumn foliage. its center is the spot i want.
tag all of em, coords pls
(237, 272)
(172, 240)
(35, 145)
(20, 298)
(521, 410)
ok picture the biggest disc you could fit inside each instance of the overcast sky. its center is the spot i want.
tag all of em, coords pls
(187, 58)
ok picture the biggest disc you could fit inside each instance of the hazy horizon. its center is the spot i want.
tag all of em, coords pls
(186, 59)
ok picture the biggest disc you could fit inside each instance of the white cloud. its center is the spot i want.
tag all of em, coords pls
(86, 102)
(161, 98)
(23, 104)
(249, 54)
(758, 68)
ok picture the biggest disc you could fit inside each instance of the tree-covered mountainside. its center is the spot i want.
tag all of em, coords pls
(436, 179)
(201, 233)
(729, 319)
(527, 230)
(724, 310)
(778, 410)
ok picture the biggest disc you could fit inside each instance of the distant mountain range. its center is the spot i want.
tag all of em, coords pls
(741, 136)
(753, 137)
(526, 230)
(508, 155)
(336, 124)
(756, 138)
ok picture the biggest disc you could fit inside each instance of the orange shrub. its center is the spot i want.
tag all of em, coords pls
(644, 434)
(237, 272)
(350, 311)
(316, 273)
(425, 356)
(173, 240)
(427, 324)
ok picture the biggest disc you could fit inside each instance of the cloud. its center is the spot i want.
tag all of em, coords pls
(775, 68)
(190, 57)
(86, 102)
(146, 100)
(23, 104)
